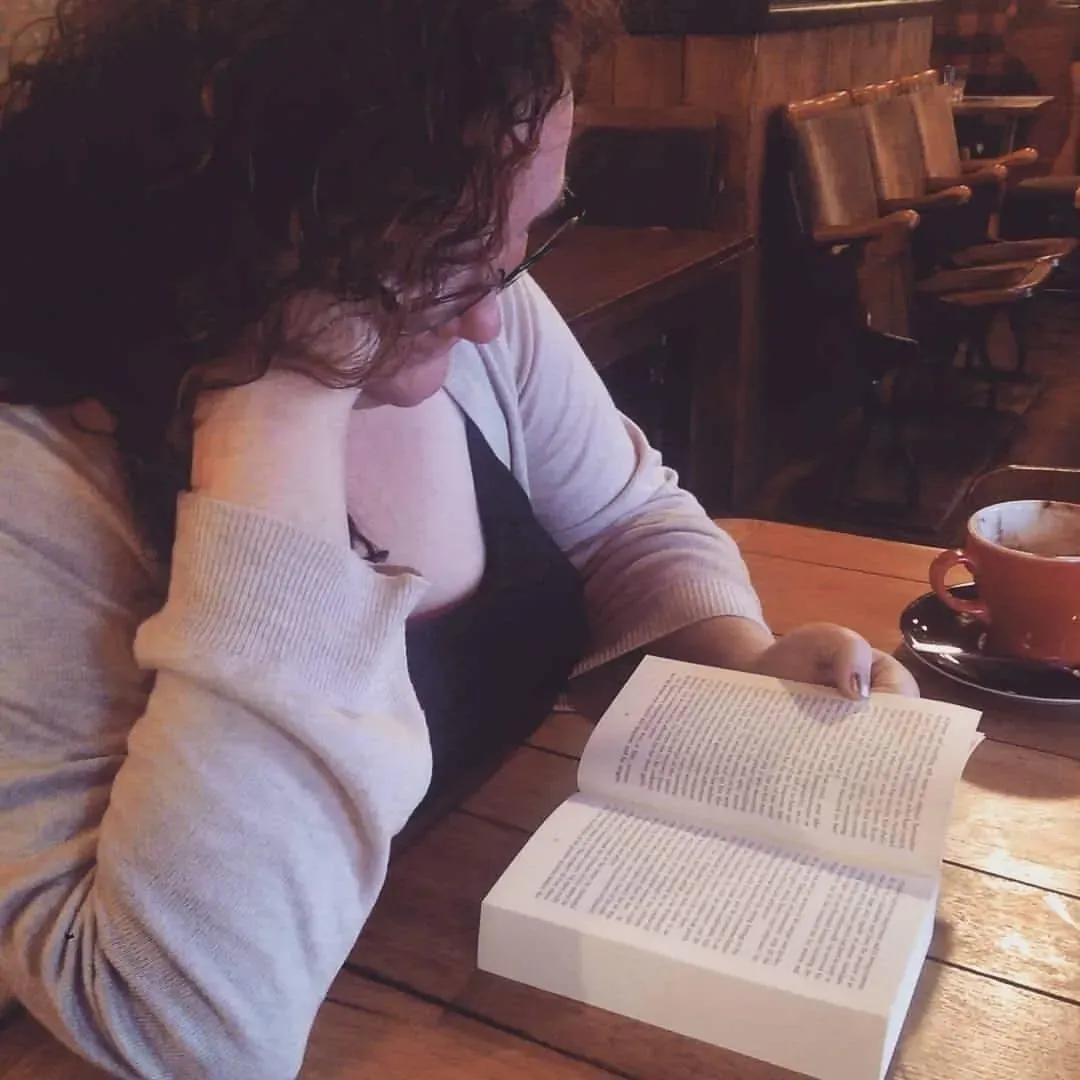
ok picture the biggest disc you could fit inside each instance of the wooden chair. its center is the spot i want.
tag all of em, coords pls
(835, 176)
(960, 206)
(932, 102)
(1029, 205)
(851, 254)
(839, 188)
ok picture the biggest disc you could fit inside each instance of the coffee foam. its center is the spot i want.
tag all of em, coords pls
(1050, 530)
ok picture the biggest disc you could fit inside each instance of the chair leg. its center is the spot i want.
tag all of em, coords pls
(899, 414)
(849, 467)
(888, 408)
(975, 350)
(1020, 323)
(980, 339)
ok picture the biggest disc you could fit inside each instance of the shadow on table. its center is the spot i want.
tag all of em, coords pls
(925, 992)
(1027, 727)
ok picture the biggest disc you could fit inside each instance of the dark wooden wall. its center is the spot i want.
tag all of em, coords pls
(744, 80)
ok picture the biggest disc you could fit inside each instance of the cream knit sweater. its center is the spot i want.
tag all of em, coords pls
(201, 773)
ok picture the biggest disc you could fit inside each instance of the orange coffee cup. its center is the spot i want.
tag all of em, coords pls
(1025, 559)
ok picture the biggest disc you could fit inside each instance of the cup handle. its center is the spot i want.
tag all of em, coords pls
(939, 570)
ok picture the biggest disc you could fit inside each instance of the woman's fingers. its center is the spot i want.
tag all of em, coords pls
(833, 655)
(851, 660)
(888, 675)
(821, 653)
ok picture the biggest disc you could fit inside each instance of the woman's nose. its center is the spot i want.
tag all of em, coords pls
(480, 324)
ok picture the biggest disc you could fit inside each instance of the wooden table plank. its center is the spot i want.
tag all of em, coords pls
(29, 1052)
(1001, 104)
(1055, 729)
(793, 593)
(563, 733)
(423, 933)
(797, 543)
(1010, 931)
(19, 1037)
(369, 1030)
(363, 1030)
(598, 274)
(1017, 813)
(961, 1027)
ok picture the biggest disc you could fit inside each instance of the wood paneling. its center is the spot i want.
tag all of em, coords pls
(744, 80)
(598, 82)
(648, 71)
(719, 75)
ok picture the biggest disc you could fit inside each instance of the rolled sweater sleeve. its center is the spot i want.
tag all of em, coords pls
(182, 876)
(652, 560)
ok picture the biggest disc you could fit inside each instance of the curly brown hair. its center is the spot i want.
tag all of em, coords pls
(174, 172)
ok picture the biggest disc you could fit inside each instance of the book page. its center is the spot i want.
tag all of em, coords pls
(868, 782)
(791, 919)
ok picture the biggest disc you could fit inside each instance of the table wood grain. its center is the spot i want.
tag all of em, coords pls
(1001, 104)
(999, 995)
(1006, 111)
(601, 275)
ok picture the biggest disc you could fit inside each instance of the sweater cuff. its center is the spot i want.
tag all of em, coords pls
(685, 603)
(248, 587)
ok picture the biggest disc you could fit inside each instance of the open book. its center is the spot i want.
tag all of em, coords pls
(749, 862)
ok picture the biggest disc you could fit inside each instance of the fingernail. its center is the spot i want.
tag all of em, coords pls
(858, 687)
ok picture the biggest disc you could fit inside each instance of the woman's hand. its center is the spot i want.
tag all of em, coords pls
(277, 445)
(835, 656)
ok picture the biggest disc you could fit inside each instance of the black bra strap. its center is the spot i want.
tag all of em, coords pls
(373, 554)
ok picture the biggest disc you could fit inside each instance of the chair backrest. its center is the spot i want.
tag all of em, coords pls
(931, 102)
(1023, 482)
(835, 173)
(895, 145)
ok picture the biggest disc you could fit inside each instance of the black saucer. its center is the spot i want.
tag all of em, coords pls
(931, 630)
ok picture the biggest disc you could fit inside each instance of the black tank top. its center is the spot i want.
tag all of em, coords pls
(488, 670)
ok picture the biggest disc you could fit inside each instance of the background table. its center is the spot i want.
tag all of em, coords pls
(998, 1000)
(1008, 111)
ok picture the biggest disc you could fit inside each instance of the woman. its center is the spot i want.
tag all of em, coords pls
(303, 503)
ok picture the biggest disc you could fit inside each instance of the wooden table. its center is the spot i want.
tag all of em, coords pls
(1008, 111)
(685, 295)
(998, 1000)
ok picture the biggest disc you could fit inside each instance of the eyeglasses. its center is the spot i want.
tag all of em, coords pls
(453, 305)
